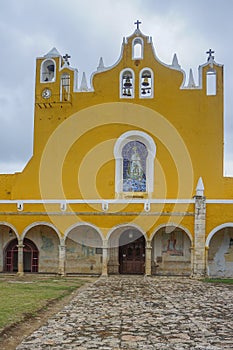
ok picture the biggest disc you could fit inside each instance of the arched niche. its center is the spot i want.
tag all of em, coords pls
(48, 71)
(140, 150)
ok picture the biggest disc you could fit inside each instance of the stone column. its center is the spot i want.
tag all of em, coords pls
(105, 259)
(148, 258)
(62, 259)
(20, 258)
(199, 261)
(207, 261)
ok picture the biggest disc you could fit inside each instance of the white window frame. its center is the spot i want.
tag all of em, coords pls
(152, 82)
(136, 41)
(41, 71)
(121, 83)
(147, 140)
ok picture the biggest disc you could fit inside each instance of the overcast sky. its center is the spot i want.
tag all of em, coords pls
(90, 29)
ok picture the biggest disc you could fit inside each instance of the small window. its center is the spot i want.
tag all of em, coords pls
(127, 84)
(211, 83)
(65, 87)
(137, 49)
(48, 71)
(146, 84)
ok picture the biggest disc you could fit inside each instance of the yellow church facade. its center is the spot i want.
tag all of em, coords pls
(126, 175)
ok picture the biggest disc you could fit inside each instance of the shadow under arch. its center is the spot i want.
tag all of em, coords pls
(87, 224)
(171, 226)
(40, 223)
(12, 227)
(84, 249)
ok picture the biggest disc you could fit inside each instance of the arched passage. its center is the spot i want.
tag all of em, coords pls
(83, 249)
(30, 256)
(46, 238)
(171, 251)
(220, 253)
(126, 250)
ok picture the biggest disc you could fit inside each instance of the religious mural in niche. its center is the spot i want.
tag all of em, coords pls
(134, 156)
(172, 243)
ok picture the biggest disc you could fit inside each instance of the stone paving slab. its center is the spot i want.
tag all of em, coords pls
(136, 312)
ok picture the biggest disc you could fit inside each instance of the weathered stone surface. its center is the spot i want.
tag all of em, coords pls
(133, 312)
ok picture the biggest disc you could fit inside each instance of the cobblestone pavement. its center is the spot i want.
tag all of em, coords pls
(133, 312)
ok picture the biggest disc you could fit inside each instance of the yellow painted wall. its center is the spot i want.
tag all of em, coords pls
(74, 142)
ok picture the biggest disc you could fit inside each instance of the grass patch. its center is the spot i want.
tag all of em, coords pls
(22, 296)
(219, 280)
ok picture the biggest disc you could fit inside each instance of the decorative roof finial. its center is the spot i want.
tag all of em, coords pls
(66, 59)
(175, 63)
(200, 187)
(83, 86)
(191, 82)
(101, 64)
(137, 24)
(210, 54)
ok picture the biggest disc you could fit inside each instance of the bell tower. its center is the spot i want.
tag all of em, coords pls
(55, 80)
(56, 84)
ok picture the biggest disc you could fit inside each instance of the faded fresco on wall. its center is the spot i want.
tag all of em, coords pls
(173, 243)
(47, 243)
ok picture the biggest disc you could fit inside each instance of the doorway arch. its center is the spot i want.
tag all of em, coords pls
(30, 256)
(131, 252)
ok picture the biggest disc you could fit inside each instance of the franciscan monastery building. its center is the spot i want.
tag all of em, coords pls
(126, 175)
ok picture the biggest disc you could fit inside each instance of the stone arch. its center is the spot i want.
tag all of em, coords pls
(127, 235)
(47, 238)
(84, 249)
(219, 257)
(171, 225)
(41, 223)
(171, 250)
(216, 229)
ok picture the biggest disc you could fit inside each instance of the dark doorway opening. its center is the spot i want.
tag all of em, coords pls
(132, 252)
(30, 256)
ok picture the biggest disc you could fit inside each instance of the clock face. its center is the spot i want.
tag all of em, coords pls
(46, 93)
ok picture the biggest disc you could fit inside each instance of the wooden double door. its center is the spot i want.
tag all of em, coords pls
(132, 257)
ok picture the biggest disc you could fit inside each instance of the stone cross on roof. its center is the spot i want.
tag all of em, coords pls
(210, 54)
(66, 59)
(137, 23)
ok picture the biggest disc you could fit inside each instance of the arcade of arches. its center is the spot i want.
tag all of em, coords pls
(126, 250)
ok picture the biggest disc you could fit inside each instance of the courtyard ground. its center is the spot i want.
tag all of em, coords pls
(136, 312)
